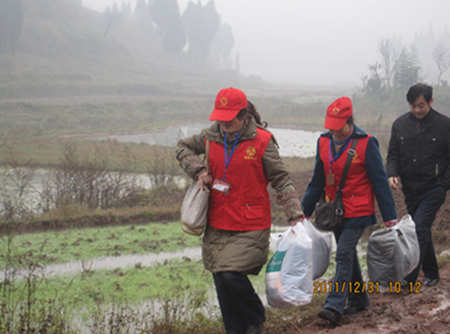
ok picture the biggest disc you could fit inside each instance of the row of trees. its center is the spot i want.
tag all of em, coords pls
(11, 20)
(197, 32)
(400, 66)
(199, 28)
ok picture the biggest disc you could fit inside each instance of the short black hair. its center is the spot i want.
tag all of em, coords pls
(418, 90)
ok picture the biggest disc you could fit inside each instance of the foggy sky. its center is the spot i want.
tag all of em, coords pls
(318, 41)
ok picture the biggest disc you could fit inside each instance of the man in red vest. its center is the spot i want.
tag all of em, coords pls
(366, 180)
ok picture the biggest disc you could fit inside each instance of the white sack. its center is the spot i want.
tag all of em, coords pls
(321, 248)
(392, 253)
(289, 271)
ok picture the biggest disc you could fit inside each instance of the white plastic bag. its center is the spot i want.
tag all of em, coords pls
(289, 271)
(194, 210)
(321, 248)
(392, 253)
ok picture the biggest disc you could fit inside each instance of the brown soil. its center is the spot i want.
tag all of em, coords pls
(395, 313)
(87, 221)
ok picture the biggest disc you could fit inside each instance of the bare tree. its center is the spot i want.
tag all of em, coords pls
(113, 16)
(162, 169)
(390, 53)
(441, 55)
(16, 186)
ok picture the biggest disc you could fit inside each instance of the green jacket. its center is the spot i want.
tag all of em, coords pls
(245, 252)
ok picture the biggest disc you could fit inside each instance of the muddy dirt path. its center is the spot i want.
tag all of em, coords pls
(427, 312)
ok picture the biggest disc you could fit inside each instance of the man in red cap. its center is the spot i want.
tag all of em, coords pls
(366, 180)
(243, 159)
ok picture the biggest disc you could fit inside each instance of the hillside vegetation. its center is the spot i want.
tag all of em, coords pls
(63, 51)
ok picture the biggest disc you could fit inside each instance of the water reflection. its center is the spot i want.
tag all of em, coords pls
(291, 142)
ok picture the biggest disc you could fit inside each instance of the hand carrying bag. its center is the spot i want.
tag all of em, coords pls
(289, 273)
(393, 252)
(330, 215)
(194, 210)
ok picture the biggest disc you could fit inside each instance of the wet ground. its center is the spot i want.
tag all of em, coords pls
(123, 261)
(427, 312)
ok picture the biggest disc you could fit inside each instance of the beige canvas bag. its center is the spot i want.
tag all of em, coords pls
(194, 210)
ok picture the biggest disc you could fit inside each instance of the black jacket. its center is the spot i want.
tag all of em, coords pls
(419, 151)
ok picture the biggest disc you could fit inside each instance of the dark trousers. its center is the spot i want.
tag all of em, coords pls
(423, 208)
(238, 301)
(347, 270)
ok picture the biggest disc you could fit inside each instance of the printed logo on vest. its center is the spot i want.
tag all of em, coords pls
(250, 153)
(356, 159)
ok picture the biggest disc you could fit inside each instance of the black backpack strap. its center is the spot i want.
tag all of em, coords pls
(351, 153)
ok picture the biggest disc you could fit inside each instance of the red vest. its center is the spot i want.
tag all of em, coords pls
(247, 205)
(358, 196)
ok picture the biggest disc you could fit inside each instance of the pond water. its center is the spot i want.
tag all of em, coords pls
(123, 261)
(292, 143)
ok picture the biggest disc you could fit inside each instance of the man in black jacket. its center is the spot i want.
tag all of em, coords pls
(419, 156)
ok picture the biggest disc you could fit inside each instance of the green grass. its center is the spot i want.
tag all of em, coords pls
(136, 285)
(50, 119)
(89, 243)
(178, 286)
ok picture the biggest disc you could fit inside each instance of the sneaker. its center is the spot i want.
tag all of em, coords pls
(432, 281)
(330, 315)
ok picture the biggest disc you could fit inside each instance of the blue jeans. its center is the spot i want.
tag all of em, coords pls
(347, 270)
(423, 208)
(238, 301)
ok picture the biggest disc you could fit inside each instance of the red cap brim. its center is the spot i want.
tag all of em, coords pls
(334, 123)
(223, 115)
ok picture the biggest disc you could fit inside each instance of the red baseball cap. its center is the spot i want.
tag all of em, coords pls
(229, 102)
(337, 113)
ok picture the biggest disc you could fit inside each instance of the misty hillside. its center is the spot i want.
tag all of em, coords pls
(64, 49)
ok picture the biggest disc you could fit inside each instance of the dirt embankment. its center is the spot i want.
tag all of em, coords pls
(427, 312)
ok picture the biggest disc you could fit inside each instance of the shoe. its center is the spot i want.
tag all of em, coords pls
(432, 281)
(252, 329)
(352, 309)
(330, 315)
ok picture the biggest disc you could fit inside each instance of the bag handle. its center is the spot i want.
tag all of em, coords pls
(207, 155)
(351, 153)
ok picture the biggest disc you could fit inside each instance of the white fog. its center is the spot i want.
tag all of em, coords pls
(321, 41)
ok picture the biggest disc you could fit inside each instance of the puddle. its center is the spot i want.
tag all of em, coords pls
(123, 261)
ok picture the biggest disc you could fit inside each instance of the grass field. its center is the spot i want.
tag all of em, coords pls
(36, 133)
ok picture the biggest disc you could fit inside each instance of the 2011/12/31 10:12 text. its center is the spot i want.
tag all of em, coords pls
(369, 287)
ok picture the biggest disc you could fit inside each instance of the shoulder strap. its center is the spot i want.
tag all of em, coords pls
(351, 153)
(207, 155)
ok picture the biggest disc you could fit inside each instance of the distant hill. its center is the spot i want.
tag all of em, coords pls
(62, 51)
